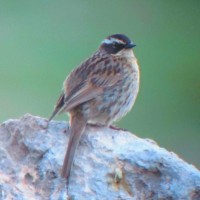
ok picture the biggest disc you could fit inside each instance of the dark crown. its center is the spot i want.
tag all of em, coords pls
(114, 43)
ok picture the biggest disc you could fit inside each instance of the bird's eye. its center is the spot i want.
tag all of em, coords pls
(114, 45)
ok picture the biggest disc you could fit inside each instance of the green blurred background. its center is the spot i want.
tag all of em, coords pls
(42, 41)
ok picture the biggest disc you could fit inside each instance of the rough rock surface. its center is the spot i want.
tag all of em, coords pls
(109, 165)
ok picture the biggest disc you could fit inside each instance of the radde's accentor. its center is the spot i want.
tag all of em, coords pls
(99, 91)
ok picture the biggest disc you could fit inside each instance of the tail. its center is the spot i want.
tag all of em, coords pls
(78, 124)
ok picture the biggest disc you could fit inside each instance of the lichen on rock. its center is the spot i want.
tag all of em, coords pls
(109, 164)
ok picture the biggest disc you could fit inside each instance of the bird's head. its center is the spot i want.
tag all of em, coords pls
(113, 44)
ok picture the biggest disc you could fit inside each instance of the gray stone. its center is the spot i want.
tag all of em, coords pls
(109, 164)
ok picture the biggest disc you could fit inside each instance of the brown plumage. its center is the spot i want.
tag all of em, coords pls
(100, 91)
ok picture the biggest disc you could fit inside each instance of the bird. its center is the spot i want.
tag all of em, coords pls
(99, 91)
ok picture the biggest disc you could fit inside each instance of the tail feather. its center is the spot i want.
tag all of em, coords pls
(78, 124)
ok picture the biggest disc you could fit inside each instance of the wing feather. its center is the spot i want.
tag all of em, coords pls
(83, 90)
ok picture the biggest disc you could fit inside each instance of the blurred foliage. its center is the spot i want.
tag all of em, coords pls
(42, 41)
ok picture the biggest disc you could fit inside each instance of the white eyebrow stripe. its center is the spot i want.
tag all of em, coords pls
(112, 40)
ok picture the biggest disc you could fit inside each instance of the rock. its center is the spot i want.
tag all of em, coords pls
(109, 164)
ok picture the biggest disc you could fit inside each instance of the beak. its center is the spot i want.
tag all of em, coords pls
(130, 45)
